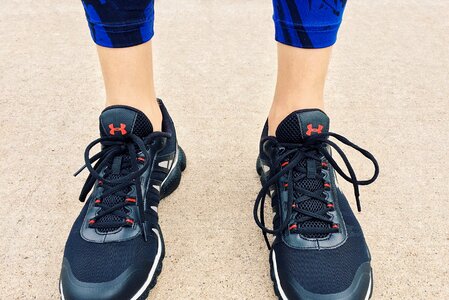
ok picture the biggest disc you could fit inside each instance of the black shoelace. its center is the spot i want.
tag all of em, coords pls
(289, 163)
(131, 150)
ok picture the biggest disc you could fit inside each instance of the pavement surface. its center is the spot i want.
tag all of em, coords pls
(388, 91)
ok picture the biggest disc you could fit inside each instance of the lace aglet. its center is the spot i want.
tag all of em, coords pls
(82, 197)
(359, 205)
(79, 171)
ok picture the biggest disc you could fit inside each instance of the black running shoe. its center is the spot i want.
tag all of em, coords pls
(319, 251)
(115, 248)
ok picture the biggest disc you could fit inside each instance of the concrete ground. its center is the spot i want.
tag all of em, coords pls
(388, 91)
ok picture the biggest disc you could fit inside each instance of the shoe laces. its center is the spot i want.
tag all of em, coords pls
(115, 169)
(299, 162)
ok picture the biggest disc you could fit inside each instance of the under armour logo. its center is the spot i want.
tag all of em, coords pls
(310, 129)
(114, 129)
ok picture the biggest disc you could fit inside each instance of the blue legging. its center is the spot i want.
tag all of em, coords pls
(298, 23)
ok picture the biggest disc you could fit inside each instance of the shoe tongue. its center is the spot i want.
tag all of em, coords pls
(119, 120)
(296, 128)
(116, 121)
(301, 124)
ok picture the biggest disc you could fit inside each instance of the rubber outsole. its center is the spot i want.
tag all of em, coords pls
(153, 282)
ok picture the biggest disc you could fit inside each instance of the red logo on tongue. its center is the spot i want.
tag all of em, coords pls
(310, 129)
(114, 129)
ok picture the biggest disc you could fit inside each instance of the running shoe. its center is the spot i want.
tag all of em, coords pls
(319, 251)
(115, 248)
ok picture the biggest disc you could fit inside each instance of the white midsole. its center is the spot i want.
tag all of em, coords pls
(276, 275)
(150, 275)
(281, 291)
(61, 291)
(369, 288)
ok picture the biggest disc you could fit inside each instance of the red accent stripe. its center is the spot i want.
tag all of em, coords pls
(132, 200)
(284, 164)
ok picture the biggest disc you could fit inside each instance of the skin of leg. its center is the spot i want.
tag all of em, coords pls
(128, 79)
(300, 82)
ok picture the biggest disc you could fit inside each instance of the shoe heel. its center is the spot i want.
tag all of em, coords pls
(182, 159)
(174, 178)
(259, 166)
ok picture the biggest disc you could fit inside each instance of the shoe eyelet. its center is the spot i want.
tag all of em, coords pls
(281, 150)
(131, 200)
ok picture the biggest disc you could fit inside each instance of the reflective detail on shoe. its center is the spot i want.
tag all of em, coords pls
(153, 268)
(157, 187)
(368, 294)
(175, 162)
(276, 275)
(61, 290)
(265, 168)
(164, 164)
(154, 208)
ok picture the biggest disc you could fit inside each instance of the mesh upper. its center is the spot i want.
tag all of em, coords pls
(289, 130)
(101, 262)
(326, 271)
(112, 200)
(312, 205)
(143, 126)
